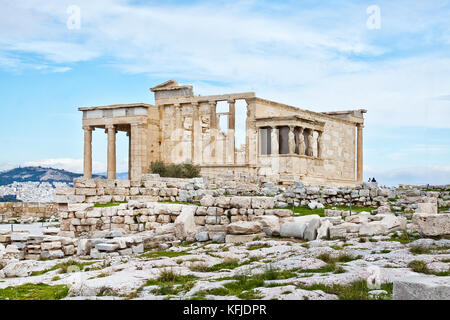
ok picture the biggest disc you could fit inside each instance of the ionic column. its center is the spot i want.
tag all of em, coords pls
(111, 152)
(319, 144)
(251, 133)
(213, 131)
(274, 141)
(196, 135)
(359, 175)
(231, 145)
(291, 140)
(88, 152)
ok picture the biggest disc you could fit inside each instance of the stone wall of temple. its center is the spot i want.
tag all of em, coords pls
(38, 210)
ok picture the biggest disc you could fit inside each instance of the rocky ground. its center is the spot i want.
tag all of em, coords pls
(266, 268)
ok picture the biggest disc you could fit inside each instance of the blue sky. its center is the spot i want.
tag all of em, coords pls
(318, 55)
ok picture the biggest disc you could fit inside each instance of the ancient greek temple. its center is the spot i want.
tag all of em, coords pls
(282, 143)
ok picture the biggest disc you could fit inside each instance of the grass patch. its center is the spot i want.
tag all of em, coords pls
(168, 254)
(404, 237)
(108, 204)
(244, 286)
(357, 290)
(305, 210)
(419, 250)
(259, 247)
(421, 267)
(31, 291)
(325, 257)
(170, 283)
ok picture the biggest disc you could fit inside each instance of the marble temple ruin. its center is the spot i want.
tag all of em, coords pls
(283, 143)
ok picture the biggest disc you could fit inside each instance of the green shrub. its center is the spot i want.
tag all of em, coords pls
(185, 170)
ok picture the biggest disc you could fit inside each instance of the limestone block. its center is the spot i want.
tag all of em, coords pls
(84, 183)
(240, 202)
(51, 245)
(373, 228)
(432, 224)
(338, 231)
(212, 211)
(185, 222)
(18, 269)
(310, 232)
(323, 231)
(293, 229)
(421, 287)
(351, 227)
(86, 191)
(207, 201)
(427, 208)
(202, 236)
(359, 218)
(233, 238)
(19, 236)
(109, 247)
(219, 237)
(270, 224)
(244, 227)
(263, 202)
(69, 250)
(222, 202)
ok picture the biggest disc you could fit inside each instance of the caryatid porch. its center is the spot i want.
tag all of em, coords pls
(132, 119)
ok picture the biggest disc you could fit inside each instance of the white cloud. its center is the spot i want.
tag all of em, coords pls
(433, 174)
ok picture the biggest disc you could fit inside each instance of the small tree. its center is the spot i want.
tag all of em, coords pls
(185, 170)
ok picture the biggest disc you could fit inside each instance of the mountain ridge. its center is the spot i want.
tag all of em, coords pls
(38, 174)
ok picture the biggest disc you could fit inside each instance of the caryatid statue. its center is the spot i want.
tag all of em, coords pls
(310, 143)
(291, 140)
(274, 141)
(301, 142)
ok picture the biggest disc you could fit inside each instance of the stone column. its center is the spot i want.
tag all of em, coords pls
(88, 152)
(275, 146)
(213, 131)
(231, 145)
(319, 144)
(111, 152)
(129, 153)
(251, 133)
(291, 140)
(138, 149)
(359, 175)
(196, 148)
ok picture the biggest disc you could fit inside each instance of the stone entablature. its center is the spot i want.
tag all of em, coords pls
(182, 127)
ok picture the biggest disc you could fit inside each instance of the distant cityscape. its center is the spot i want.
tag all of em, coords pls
(37, 184)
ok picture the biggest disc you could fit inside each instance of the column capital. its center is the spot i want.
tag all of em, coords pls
(231, 101)
(88, 128)
(110, 126)
(360, 125)
(195, 103)
(212, 103)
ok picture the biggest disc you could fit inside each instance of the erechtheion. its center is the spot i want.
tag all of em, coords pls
(282, 143)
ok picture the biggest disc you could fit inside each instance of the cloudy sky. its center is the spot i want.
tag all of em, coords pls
(318, 55)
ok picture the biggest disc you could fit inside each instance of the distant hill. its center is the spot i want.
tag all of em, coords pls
(40, 174)
(36, 174)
